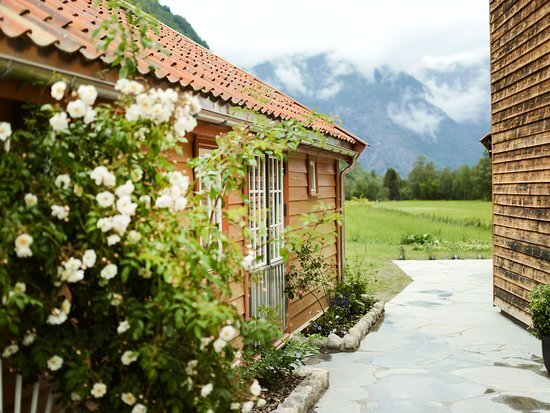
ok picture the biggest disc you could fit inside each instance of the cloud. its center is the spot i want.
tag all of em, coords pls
(415, 116)
(290, 76)
(403, 34)
(329, 91)
(463, 92)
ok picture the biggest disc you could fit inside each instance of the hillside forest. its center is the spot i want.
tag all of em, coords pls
(424, 181)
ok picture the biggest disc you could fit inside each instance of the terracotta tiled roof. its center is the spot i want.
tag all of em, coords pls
(68, 24)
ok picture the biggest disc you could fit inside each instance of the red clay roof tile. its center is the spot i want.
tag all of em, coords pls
(68, 25)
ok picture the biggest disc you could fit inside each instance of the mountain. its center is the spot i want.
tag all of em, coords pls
(440, 114)
(165, 15)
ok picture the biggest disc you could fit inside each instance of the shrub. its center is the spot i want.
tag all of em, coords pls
(540, 310)
(106, 279)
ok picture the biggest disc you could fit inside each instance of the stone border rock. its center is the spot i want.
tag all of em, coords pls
(350, 342)
(307, 393)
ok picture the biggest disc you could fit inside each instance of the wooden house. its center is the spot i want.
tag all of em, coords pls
(520, 146)
(41, 37)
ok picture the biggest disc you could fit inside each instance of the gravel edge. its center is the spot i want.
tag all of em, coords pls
(307, 393)
(351, 341)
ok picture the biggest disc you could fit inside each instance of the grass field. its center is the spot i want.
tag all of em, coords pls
(378, 232)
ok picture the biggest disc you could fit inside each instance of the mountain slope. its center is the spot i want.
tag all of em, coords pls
(165, 15)
(393, 111)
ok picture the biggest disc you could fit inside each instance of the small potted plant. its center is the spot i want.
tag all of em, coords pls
(540, 313)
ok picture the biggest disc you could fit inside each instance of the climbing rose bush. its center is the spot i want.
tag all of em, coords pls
(113, 277)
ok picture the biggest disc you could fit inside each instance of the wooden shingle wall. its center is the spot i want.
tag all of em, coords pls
(302, 310)
(520, 107)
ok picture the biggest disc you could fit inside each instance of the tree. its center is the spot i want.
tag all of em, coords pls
(391, 182)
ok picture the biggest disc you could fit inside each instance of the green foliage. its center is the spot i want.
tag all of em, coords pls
(366, 185)
(313, 274)
(354, 294)
(349, 300)
(420, 239)
(269, 363)
(540, 310)
(165, 15)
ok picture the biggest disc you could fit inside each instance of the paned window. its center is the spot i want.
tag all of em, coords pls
(266, 226)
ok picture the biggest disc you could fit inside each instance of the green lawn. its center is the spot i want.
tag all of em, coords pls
(375, 232)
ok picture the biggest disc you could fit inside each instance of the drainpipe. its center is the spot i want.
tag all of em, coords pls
(342, 227)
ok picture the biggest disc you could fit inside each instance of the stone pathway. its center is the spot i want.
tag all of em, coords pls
(442, 347)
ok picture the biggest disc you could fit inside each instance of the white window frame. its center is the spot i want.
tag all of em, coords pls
(266, 227)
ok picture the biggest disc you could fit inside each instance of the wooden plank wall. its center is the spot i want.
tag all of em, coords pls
(302, 310)
(520, 96)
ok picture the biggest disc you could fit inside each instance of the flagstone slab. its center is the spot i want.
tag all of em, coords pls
(442, 347)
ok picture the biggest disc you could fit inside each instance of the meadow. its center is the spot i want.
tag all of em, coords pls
(379, 232)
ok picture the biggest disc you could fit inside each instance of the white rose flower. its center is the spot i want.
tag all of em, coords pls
(90, 116)
(116, 299)
(76, 109)
(122, 85)
(46, 107)
(55, 363)
(207, 389)
(247, 407)
(185, 124)
(136, 174)
(113, 239)
(5, 131)
(128, 398)
(180, 203)
(60, 212)
(109, 271)
(123, 326)
(56, 317)
(10, 350)
(63, 181)
(23, 245)
(191, 367)
(227, 333)
(235, 406)
(71, 271)
(104, 224)
(125, 205)
(133, 113)
(59, 122)
(125, 190)
(261, 402)
(102, 176)
(66, 307)
(29, 339)
(133, 236)
(105, 199)
(88, 259)
(58, 90)
(75, 397)
(19, 288)
(164, 201)
(139, 408)
(99, 390)
(120, 223)
(255, 388)
(30, 200)
(219, 344)
(128, 357)
(88, 94)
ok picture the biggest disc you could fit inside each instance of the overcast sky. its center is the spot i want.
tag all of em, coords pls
(405, 34)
